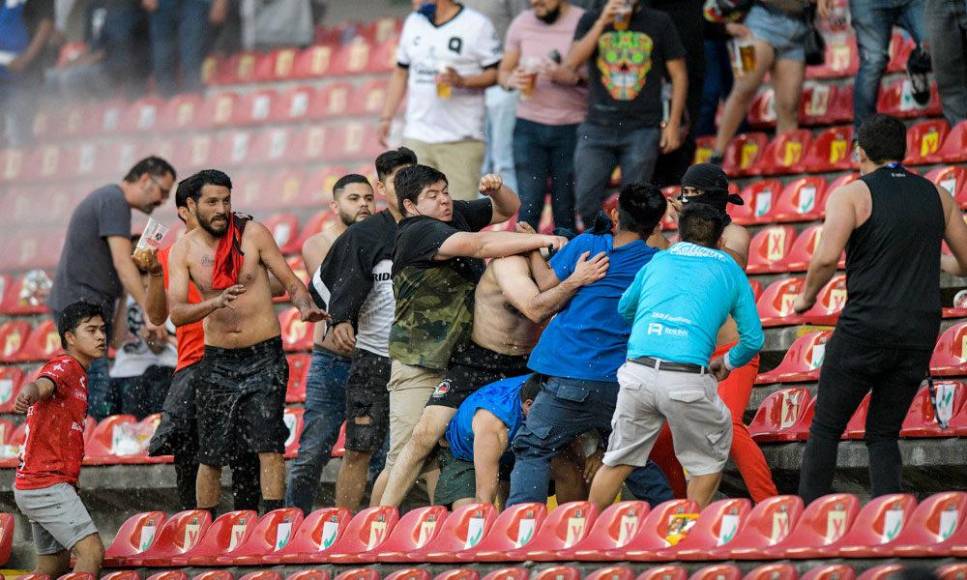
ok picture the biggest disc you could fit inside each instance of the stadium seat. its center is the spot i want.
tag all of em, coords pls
(717, 526)
(249, 191)
(295, 390)
(899, 51)
(313, 144)
(233, 149)
(881, 572)
(508, 574)
(954, 149)
(841, 59)
(414, 531)
(780, 571)
(801, 200)
(142, 116)
(296, 335)
(294, 423)
(513, 529)
(366, 531)
(271, 147)
(332, 101)
(463, 529)
(293, 105)
(78, 576)
(612, 573)
(7, 525)
(263, 575)
(309, 575)
(312, 541)
(313, 62)
(769, 523)
(876, 528)
(924, 140)
(717, 572)
(768, 249)
(956, 571)
(762, 112)
(114, 442)
(11, 165)
(612, 530)
(653, 534)
(276, 66)
(829, 303)
(11, 379)
(802, 361)
(949, 355)
(931, 530)
(219, 109)
(169, 575)
(409, 574)
(285, 231)
(759, 197)
(822, 524)
(784, 154)
(783, 416)
(831, 150)
(359, 574)
(564, 527)
(743, 154)
(953, 179)
(180, 534)
(922, 418)
(816, 103)
(465, 573)
(135, 536)
(215, 575)
(369, 98)
(775, 304)
(42, 344)
(352, 58)
(271, 534)
(666, 572)
(122, 575)
(703, 149)
(182, 112)
(801, 252)
(830, 572)
(11, 449)
(223, 537)
(558, 573)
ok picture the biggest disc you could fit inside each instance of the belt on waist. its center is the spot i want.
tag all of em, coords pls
(661, 365)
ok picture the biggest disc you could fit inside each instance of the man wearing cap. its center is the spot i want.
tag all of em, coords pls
(705, 183)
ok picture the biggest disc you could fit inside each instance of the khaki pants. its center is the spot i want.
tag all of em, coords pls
(409, 389)
(460, 161)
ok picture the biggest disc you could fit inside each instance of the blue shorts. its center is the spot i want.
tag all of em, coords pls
(785, 34)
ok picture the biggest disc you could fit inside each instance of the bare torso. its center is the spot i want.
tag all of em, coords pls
(314, 252)
(251, 318)
(735, 238)
(497, 325)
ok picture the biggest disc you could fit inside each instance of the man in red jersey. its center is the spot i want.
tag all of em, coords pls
(177, 433)
(50, 460)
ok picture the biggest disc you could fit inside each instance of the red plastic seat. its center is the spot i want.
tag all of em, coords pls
(122, 575)
(263, 575)
(369, 98)
(352, 58)
(11, 379)
(704, 147)
(896, 99)
(924, 140)
(7, 525)
(802, 250)
(275, 66)
(508, 574)
(135, 536)
(414, 531)
(366, 531)
(43, 343)
(179, 534)
(922, 418)
(296, 335)
(743, 154)
(816, 103)
(801, 200)
(254, 108)
(285, 231)
(465, 573)
(558, 573)
(759, 197)
(11, 449)
(654, 530)
(830, 572)
(953, 179)
(462, 530)
(933, 528)
(775, 304)
(409, 574)
(762, 112)
(841, 60)
(312, 541)
(769, 522)
(830, 151)
(114, 442)
(513, 529)
(292, 105)
(219, 109)
(801, 362)
(169, 575)
(313, 62)
(309, 575)
(664, 573)
(612, 530)
(215, 575)
(294, 423)
(829, 303)
(612, 573)
(954, 149)
(295, 390)
(181, 112)
(717, 526)
(956, 571)
(949, 355)
(78, 576)
(783, 416)
(768, 249)
(784, 154)
(881, 572)
(773, 572)
(223, 537)
(875, 530)
(564, 528)
(143, 115)
(822, 524)
(271, 534)
(717, 572)
(359, 574)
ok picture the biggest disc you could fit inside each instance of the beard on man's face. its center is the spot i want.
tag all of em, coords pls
(550, 16)
(216, 229)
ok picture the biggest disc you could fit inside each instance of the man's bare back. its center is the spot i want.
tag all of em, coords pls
(497, 324)
(314, 252)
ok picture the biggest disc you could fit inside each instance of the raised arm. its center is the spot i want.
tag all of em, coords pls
(271, 256)
(504, 199)
(583, 48)
(513, 277)
(126, 269)
(840, 223)
(494, 244)
(490, 440)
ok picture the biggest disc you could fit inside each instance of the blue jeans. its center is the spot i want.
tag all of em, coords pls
(947, 31)
(499, 134)
(179, 37)
(873, 21)
(717, 85)
(542, 151)
(324, 414)
(599, 150)
(101, 402)
(563, 410)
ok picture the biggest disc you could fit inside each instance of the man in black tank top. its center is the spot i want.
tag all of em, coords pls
(891, 223)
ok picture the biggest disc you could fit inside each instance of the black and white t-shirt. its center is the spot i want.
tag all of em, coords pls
(355, 282)
(467, 43)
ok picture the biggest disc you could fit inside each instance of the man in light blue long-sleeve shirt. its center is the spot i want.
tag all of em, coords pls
(676, 305)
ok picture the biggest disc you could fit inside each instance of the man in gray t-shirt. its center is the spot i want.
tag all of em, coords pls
(96, 266)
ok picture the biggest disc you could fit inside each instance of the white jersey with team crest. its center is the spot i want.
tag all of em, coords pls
(468, 44)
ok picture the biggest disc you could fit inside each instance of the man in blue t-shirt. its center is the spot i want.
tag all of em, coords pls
(677, 304)
(583, 346)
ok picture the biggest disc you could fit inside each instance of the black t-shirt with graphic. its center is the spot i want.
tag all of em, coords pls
(626, 69)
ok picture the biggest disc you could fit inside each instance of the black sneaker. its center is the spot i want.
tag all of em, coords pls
(918, 69)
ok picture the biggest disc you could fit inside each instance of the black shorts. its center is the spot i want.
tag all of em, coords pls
(471, 367)
(240, 401)
(367, 396)
(177, 427)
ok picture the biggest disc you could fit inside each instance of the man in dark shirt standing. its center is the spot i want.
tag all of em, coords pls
(628, 48)
(891, 223)
(96, 266)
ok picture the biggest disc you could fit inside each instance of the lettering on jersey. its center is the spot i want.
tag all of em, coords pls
(455, 44)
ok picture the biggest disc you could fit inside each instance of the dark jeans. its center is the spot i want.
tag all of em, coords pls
(142, 395)
(563, 410)
(599, 150)
(873, 21)
(851, 369)
(542, 152)
(718, 85)
(947, 31)
(179, 37)
(126, 56)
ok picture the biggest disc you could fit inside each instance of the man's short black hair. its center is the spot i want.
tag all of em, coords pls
(153, 166)
(410, 181)
(346, 180)
(640, 207)
(75, 315)
(884, 138)
(530, 388)
(390, 160)
(702, 224)
(194, 184)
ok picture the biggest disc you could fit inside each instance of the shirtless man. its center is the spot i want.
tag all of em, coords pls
(325, 409)
(509, 313)
(242, 380)
(708, 184)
